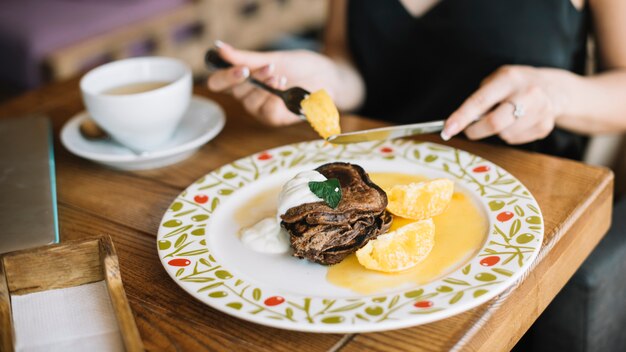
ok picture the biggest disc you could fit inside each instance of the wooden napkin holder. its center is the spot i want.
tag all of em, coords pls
(68, 264)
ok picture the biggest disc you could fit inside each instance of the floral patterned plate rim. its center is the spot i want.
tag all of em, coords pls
(198, 245)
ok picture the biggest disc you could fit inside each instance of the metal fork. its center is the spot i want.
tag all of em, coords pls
(292, 97)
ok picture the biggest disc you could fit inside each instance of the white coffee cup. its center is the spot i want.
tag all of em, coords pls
(141, 121)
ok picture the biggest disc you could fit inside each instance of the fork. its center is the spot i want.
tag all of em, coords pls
(292, 97)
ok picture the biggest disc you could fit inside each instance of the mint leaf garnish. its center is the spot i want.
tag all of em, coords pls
(329, 191)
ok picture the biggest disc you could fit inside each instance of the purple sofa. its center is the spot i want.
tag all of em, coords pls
(32, 29)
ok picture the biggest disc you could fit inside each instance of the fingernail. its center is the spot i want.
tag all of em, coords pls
(268, 69)
(283, 81)
(218, 44)
(243, 73)
(273, 82)
(449, 131)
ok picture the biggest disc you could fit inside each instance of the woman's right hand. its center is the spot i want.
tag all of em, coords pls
(279, 69)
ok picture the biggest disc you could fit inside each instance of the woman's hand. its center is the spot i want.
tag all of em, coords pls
(279, 69)
(538, 94)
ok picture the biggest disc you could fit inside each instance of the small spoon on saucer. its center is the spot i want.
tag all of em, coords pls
(90, 130)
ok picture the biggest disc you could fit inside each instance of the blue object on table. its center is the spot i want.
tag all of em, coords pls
(28, 205)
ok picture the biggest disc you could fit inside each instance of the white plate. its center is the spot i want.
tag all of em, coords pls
(199, 247)
(203, 120)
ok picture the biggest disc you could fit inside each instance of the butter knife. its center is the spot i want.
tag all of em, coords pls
(383, 133)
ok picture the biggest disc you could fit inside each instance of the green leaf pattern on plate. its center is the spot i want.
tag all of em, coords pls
(516, 241)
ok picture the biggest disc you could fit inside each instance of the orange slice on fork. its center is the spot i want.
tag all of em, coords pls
(321, 113)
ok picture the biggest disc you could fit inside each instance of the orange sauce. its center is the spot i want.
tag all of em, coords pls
(261, 206)
(459, 233)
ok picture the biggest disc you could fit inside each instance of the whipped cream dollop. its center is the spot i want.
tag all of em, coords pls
(267, 236)
(297, 192)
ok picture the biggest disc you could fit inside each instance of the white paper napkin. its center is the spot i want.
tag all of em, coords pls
(78, 318)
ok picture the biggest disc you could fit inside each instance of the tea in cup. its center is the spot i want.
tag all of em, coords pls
(139, 101)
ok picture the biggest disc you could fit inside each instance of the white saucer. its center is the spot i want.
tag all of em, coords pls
(203, 120)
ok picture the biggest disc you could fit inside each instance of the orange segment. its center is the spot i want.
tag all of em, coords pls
(421, 200)
(321, 113)
(400, 249)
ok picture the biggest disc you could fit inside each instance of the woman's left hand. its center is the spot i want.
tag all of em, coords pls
(520, 104)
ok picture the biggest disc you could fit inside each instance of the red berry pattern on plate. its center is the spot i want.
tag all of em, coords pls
(490, 261)
(504, 216)
(274, 301)
(386, 150)
(201, 198)
(423, 304)
(264, 156)
(481, 168)
(179, 262)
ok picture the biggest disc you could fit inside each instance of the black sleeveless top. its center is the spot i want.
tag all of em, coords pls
(422, 68)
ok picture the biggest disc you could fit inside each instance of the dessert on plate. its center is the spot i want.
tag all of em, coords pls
(325, 215)
(327, 235)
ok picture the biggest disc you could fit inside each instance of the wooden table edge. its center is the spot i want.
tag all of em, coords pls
(602, 194)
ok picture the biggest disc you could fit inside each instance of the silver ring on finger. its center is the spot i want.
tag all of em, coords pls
(518, 109)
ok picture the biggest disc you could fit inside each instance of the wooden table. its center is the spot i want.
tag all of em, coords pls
(576, 201)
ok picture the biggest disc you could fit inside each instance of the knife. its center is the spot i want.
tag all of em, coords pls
(383, 133)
